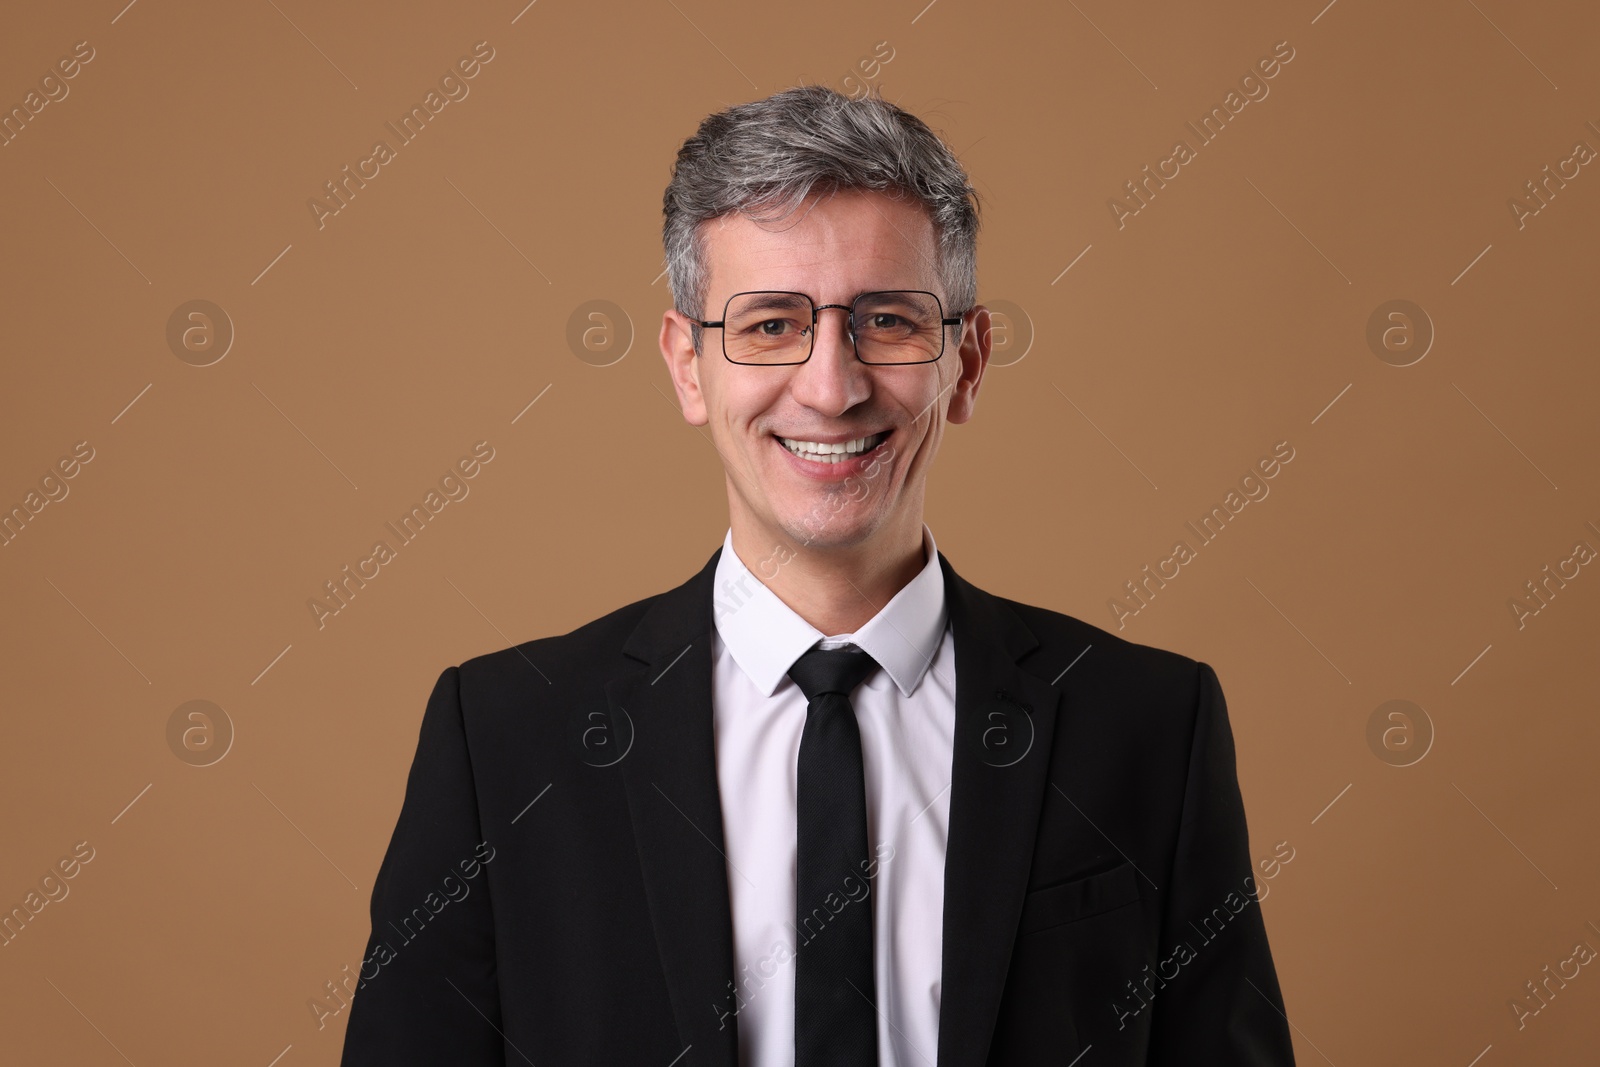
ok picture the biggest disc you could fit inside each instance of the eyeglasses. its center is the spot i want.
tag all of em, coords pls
(779, 329)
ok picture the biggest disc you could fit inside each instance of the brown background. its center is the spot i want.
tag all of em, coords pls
(1230, 314)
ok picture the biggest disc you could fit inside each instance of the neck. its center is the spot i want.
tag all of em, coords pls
(835, 588)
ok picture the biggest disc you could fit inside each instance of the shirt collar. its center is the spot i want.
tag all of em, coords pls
(766, 636)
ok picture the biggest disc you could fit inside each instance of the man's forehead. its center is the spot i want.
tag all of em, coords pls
(844, 213)
(847, 235)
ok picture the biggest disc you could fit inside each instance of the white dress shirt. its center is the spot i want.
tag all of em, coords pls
(906, 712)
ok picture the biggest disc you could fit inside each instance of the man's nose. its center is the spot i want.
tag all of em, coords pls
(833, 380)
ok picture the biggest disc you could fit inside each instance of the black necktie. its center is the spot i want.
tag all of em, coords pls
(836, 1017)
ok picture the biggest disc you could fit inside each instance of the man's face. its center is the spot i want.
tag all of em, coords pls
(844, 244)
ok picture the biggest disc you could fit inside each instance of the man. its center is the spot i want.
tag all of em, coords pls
(825, 803)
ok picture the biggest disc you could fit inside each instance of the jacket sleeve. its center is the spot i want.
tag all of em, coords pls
(1220, 1002)
(428, 992)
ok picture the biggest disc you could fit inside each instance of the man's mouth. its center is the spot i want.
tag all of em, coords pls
(820, 452)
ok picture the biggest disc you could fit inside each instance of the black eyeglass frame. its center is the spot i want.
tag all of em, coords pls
(816, 312)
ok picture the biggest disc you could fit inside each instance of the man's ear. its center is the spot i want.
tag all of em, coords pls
(972, 358)
(677, 348)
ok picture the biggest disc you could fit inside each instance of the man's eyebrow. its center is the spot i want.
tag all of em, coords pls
(881, 289)
(775, 299)
(781, 299)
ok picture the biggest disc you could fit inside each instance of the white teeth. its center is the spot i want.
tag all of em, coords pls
(826, 453)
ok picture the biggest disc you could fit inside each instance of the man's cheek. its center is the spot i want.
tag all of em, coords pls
(884, 455)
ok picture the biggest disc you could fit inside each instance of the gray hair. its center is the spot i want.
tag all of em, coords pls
(777, 151)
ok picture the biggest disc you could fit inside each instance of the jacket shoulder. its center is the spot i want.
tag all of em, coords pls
(1105, 655)
(558, 657)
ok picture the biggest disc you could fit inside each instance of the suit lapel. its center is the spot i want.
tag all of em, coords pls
(671, 777)
(1005, 719)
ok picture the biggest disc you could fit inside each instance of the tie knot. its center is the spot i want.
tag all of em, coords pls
(831, 670)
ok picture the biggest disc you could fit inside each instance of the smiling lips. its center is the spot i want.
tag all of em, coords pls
(823, 452)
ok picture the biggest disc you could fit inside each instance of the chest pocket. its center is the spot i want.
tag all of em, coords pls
(1080, 898)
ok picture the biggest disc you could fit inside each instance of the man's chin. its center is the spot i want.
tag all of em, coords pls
(814, 534)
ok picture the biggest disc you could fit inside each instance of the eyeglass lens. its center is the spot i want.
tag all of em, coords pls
(889, 327)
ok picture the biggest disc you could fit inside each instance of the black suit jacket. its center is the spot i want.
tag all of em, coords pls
(555, 891)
